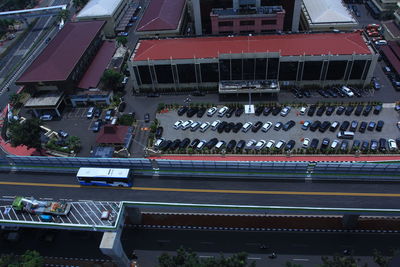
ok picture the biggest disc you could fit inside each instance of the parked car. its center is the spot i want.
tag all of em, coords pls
(270, 144)
(147, 117)
(220, 145)
(334, 126)
(340, 110)
(230, 112)
(175, 144)
(367, 110)
(211, 111)
(247, 126)
(259, 110)
(285, 111)
(158, 142)
(347, 91)
(267, 111)
(345, 125)
(257, 126)
(228, 128)
(182, 110)
(237, 127)
(392, 145)
(201, 144)
(303, 110)
(324, 126)
(97, 112)
(215, 124)
(195, 125)
(239, 112)
(191, 112)
(260, 145)
(349, 110)
(280, 144)
(90, 112)
(201, 112)
(185, 142)
(159, 132)
(321, 111)
(221, 126)
(325, 143)
(330, 110)
(178, 124)
(353, 126)
(204, 126)
(377, 109)
(240, 145)
(315, 125)
(62, 134)
(335, 144)
(186, 124)
(371, 126)
(222, 111)
(374, 145)
(379, 125)
(276, 110)
(363, 127)
(356, 145)
(194, 143)
(288, 125)
(358, 110)
(306, 143)
(290, 145)
(314, 143)
(382, 144)
(97, 125)
(266, 126)
(278, 126)
(250, 144)
(306, 125)
(344, 146)
(231, 145)
(211, 143)
(311, 110)
(364, 146)
(109, 114)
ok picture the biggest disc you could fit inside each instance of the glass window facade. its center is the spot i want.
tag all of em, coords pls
(248, 69)
(288, 71)
(225, 23)
(236, 69)
(312, 70)
(272, 72)
(145, 74)
(225, 69)
(209, 72)
(164, 74)
(186, 73)
(137, 76)
(268, 22)
(336, 70)
(246, 22)
(260, 68)
(357, 70)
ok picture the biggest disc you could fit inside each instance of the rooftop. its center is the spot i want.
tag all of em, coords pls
(115, 134)
(212, 47)
(99, 8)
(392, 28)
(250, 11)
(63, 53)
(46, 100)
(161, 15)
(325, 11)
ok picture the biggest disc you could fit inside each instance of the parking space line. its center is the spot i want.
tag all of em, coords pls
(84, 210)
(73, 215)
(112, 207)
(16, 216)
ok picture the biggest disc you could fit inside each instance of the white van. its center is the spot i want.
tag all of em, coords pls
(247, 127)
(266, 126)
(215, 124)
(204, 127)
(219, 144)
(222, 111)
(345, 135)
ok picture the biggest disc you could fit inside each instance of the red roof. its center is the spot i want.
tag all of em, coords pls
(288, 45)
(161, 15)
(391, 57)
(112, 134)
(63, 53)
(92, 76)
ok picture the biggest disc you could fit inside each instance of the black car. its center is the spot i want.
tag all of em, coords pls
(146, 117)
(356, 145)
(344, 126)
(97, 125)
(321, 110)
(182, 110)
(359, 110)
(231, 145)
(340, 110)
(325, 143)
(97, 112)
(324, 126)
(334, 126)
(240, 145)
(364, 146)
(237, 127)
(398, 142)
(276, 110)
(363, 127)
(259, 110)
(367, 110)
(239, 112)
(339, 92)
(379, 126)
(382, 144)
(221, 126)
(121, 106)
(290, 145)
(257, 126)
(201, 112)
(194, 143)
(353, 126)
(357, 92)
(185, 142)
(330, 110)
(371, 126)
(323, 93)
(315, 125)
(267, 111)
(311, 110)
(229, 127)
(192, 111)
(377, 109)
(306, 93)
(314, 143)
(230, 112)
(165, 145)
(349, 110)
(331, 92)
(159, 132)
(289, 125)
(175, 144)
(210, 144)
(344, 145)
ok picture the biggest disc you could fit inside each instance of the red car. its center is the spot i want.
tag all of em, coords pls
(373, 33)
(377, 39)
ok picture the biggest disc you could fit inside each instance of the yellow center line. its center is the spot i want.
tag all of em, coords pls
(219, 191)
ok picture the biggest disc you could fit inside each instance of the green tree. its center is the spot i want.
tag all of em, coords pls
(30, 258)
(63, 15)
(341, 261)
(111, 78)
(122, 40)
(26, 133)
(74, 143)
(187, 258)
(15, 99)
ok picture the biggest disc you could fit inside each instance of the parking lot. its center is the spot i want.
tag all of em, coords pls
(388, 115)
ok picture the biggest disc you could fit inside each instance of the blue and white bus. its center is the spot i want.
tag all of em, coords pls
(104, 177)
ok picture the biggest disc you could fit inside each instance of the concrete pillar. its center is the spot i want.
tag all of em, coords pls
(296, 15)
(197, 17)
(235, 4)
(111, 246)
(350, 221)
(258, 3)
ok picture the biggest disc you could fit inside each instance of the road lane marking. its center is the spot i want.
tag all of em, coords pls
(220, 191)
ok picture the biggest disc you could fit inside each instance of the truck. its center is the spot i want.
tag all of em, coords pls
(39, 207)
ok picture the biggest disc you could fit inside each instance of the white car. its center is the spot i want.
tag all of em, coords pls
(220, 144)
(335, 144)
(347, 91)
(250, 144)
(215, 124)
(285, 111)
(270, 144)
(211, 111)
(266, 126)
(158, 142)
(201, 144)
(186, 124)
(306, 143)
(260, 144)
(247, 126)
(204, 126)
(222, 111)
(381, 42)
(178, 124)
(303, 110)
(398, 125)
(280, 144)
(392, 145)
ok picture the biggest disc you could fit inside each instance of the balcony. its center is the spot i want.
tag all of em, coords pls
(231, 12)
(245, 87)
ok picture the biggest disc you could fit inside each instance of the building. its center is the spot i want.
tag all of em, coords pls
(391, 54)
(201, 10)
(111, 11)
(252, 62)
(260, 19)
(391, 28)
(325, 15)
(118, 136)
(382, 9)
(164, 18)
(69, 67)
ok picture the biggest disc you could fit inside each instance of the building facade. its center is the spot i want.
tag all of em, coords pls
(247, 20)
(382, 9)
(266, 61)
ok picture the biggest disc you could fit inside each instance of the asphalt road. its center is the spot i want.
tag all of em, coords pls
(299, 194)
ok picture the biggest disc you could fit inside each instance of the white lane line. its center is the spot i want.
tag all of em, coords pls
(301, 259)
(253, 258)
(73, 215)
(8, 196)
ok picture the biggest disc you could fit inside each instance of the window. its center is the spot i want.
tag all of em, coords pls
(226, 32)
(164, 74)
(273, 64)
(225, 69)
(246, 32)
(246, 22)
(268, 22)
(137, 76)
(268, 31)
(225, 23)
(260, 68)
(312, 70)
(236, 69)
(248, 69)
(186, 73)
(209, 72)
(357, 70)
(288, 71)
(336, 70)
(366, 70)
(144, 74)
